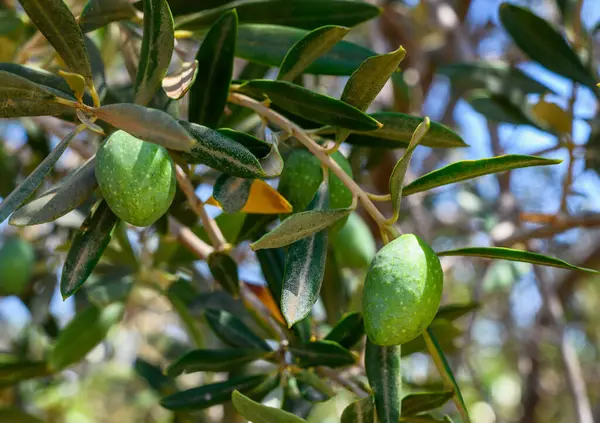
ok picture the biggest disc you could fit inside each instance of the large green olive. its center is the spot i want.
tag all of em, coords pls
(353, 245)
(402, 291)
(136, 178)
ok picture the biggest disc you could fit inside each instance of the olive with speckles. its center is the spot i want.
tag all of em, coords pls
(301, 177)
(402, 292)
(136, 178)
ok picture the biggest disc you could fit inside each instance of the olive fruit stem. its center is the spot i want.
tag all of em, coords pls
(320, 153)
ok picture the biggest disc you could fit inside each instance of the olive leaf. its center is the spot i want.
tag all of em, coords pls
(86, 248)
(70, 193)
(360, 411)
(322, 353)
(154, 376)
(262, 198)
(348, 331)
(232, 193)
(269, 44)
(310, 105)
(208, 95)
(308, 14)
(35, 178)
(150, 125)
(397, 177)
(416, 403)
(177, 84)
(500, 108)
(157, 48)
(514, 255)
(384, 373)
(258, 413)
(308, 49)
(76, 83)
(14, 414)
(179, 294)
(258, 147)
(19, 370)
(470, 169)
(87, 329)
(233, 331)
(99, 13)
(55, 83)
(213, 360)
(54, 19)
(305, 267)
(211, 394)
(224, 269)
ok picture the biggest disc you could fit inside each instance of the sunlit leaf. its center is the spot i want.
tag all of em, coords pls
(177, 84)
(384, 373)
(361, 411)
(554, 116)
(99, 13)
(232, 193)
(416, 403)
(76, 83)
(258, 413)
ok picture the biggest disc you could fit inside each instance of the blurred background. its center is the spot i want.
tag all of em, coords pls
(530, 352)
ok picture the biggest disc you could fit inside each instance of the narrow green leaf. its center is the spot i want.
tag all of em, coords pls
(470, 169)
(514, 255)
(177, 84)
(87, 329)
(384, 373)
(454, 311)
(437, 354)
(55, 83)
(35, 179)
(16, 415)
(445, 332)
(322, 353)
(154, 376)
(361, 411)
(233, 331)
(310, 105)
(269, 44)
(308, 14)
(348, 331)
(213, 360)
(150, 125)
(54, 19)
(258, 413)
(109, 290)
(69, 194)
(313, 380)
(157, 48)
(13, 372)
(499, 108)
(208, 95)
(222, 153)
(497, 77)
(211, 394)
(543, 43)
(308, 49)
(397, 132)
(99, 13)
(305, 267)
(417, 403)
(258, 147)
(231, 192)
(399, 172)
(224, 269)
(86, 248)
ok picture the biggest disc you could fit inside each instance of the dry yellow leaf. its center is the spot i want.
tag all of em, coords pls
(263, 199)
(554, 116)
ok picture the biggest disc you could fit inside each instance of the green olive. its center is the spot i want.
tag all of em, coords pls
(353, 245)
(17, 259)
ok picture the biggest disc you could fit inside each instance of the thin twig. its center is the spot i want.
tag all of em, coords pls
(189, 239)
(299, 133)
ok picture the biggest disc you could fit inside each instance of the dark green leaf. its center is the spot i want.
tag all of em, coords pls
(110, 289)
(308, 49)
(361, 411)
(308, 14)
(384, 373)
(54, 19)
(213, 360)
(154, 376)
(269, 44)
(262, 390)
(470, 169)
(177, 84)
(310, 105)
(224, 269)
(99, 13)
(55, 83)
(150, 125)
(348, 331)
(310, 378)
(499, 108)
(70, 193)
(222, 153)
(233, 331)
(397, 131)
(258, 147)
(305, 267)
(231, 192)
(437, 354)
(445, 332)
(209, 395)
(13, 372)
(322, 353)
(86, 248)
(414, 404)
(157, 48)
(34, 180)
(543, 43)
(454, 311)
(87, 329)
(258, 413)
(16, 415)
(514, 255)
(208, 95)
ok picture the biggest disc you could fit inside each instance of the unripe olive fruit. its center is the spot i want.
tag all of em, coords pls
(402, 292)
(353, 245)
(136, 178)
(17, 259)
(302, 175)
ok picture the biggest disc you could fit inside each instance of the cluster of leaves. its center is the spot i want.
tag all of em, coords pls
(270, 343)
